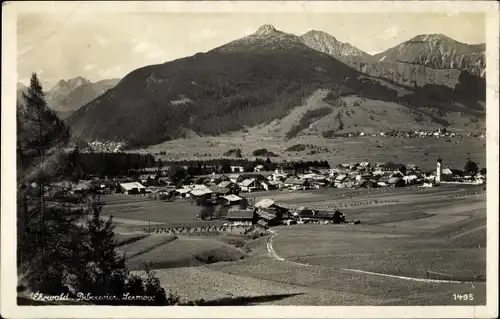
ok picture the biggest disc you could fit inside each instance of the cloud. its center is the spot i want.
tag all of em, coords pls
(142, 47)
(155, 54)
(102, 41)
(88, 67)
(204, 34)
(148, 49)
(113, 72)
(389, 33)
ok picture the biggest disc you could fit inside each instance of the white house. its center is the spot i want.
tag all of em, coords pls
(232, 199)
(132, 188)
(258, 168)
(237, 169)
(249, 185)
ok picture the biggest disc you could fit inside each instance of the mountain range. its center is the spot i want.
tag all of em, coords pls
(69, 95)
(267, 76)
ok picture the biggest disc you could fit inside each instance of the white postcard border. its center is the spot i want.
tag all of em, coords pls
(8, 221)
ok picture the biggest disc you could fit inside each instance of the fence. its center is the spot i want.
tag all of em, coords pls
(371, 202)
(465, 195)
(194, 230)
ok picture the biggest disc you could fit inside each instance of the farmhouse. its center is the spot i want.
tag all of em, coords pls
(234, 178)
(227, 184)
(269, 185)
(249, 185)
(232, 199)
(200, 191)
(240, 216)
(396, 182)
(132, 188)
(392, 167)
(446, 175)
(366, 183)
(259, 168)
(219, 191)
(266, 217)
(237, 169)
(182, 192)
(296, 183)
(265, 203)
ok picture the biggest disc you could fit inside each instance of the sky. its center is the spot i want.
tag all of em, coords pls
(110, 45)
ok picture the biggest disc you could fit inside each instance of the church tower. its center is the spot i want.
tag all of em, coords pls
(438, 170)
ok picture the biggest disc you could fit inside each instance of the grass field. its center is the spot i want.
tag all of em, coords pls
(392, 258)
(420, 151)
(137, 212)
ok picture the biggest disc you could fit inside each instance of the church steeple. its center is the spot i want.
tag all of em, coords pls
(438, 170)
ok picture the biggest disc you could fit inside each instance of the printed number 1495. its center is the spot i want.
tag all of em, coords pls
(463, 297)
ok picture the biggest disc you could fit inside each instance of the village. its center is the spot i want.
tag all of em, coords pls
(231, 197)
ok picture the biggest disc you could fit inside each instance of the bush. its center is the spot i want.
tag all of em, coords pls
(263, 152)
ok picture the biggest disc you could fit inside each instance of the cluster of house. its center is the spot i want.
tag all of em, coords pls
(355, 175)
(440, 133)
(107, 147)
(267, 213)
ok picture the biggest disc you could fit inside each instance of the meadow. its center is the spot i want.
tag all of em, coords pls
(418, 250)
(423, 152)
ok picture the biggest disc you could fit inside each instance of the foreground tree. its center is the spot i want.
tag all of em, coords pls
(64, 245)
(471, 167)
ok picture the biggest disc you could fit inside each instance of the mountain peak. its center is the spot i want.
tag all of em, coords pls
(431, 37)
(78, 81)
(265, 30)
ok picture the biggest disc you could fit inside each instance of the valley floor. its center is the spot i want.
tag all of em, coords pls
(419, 250)
(423, 152)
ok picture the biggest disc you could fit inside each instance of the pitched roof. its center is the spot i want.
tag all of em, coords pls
(129, 186)
(262, 222)
(232, 198)
(247, 182)
(220, 190)
(393, 180)
(362, 181)
(224, 184)
(264, 203)
(294, 181)
(447, 171)
(266, 215)
(200, 192)
(340, 177)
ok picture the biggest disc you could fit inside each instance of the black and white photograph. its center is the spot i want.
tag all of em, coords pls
(259, 153)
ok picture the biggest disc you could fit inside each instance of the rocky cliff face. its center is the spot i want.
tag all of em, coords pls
(439, 52)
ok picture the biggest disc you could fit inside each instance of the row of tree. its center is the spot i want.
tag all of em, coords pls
(81, 165)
